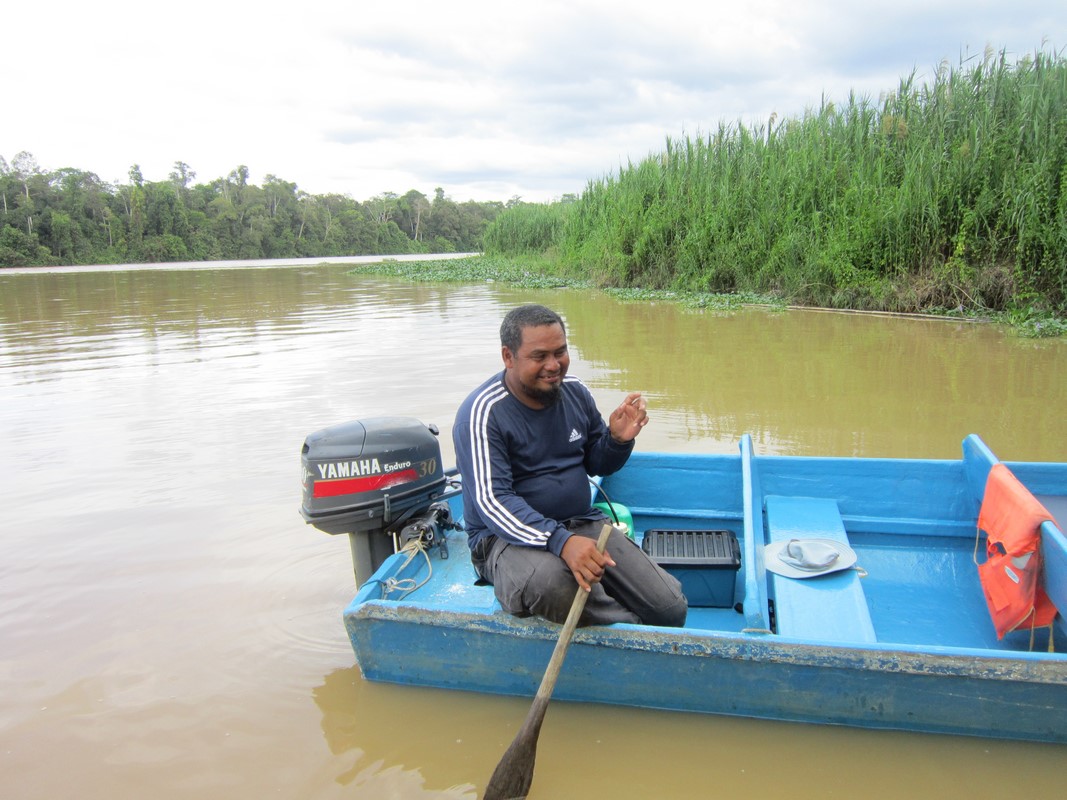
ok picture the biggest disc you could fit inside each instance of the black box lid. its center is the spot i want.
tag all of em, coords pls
(716, 549)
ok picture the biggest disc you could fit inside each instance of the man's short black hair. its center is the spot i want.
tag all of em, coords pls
(529, 316)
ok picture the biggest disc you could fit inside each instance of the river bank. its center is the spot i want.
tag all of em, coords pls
(538, 272)
(252, 263)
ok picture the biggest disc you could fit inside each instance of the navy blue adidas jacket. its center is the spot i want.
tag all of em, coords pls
(526, 471)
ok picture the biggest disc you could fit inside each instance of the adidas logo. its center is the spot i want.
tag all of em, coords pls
(575, 436)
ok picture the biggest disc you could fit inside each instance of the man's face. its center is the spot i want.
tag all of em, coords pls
(535, 373)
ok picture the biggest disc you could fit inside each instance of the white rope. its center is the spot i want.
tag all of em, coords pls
(407, 585)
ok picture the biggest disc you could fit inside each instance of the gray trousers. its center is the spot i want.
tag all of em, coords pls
(530, 581)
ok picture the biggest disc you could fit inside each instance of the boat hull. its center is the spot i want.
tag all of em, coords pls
(934, 690)
(932, 664)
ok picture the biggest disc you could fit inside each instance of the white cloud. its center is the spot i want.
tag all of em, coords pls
(485, 99)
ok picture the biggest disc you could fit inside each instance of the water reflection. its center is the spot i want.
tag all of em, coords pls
(800, 382)
(347, 704)
(807, 383)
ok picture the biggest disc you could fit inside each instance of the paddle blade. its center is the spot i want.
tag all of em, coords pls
(513, 775)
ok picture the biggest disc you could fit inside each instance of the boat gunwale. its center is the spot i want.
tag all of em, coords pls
(994, 665)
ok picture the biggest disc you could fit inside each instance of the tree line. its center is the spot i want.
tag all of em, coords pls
(71, 216)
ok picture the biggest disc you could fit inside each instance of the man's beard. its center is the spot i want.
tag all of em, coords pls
(546, 397)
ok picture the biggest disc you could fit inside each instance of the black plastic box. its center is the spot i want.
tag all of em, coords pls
(706, 563)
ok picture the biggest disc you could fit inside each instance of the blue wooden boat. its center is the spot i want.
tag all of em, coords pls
(905, 643)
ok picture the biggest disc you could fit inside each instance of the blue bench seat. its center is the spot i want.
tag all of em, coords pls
(830, 608)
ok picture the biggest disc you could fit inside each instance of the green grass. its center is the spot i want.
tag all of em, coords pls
(946, 197)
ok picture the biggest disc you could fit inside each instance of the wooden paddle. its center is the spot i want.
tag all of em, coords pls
(513, 775)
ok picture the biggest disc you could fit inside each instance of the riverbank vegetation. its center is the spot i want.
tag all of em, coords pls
(944, 196)
(948, 197)
(70, 216)
(532, 271)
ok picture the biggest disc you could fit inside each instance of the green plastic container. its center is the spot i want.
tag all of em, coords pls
(626, 519)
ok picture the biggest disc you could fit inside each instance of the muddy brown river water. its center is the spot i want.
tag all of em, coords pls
(172, 628)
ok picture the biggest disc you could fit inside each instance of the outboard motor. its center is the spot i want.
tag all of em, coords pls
(380, 480)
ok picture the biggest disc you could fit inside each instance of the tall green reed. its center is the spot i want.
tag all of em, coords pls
(947, 194)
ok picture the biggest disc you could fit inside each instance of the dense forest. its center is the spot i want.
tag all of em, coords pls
(948, 195)
(70, 216)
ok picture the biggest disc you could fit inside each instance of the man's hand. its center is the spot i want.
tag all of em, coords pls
(587, 565)
(628, 419)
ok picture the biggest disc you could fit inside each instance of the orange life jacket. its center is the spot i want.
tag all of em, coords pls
(1010, 575)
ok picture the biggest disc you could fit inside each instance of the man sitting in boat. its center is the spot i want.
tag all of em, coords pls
(526, 442)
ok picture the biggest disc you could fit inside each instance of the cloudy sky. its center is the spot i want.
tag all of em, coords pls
(485, 99)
